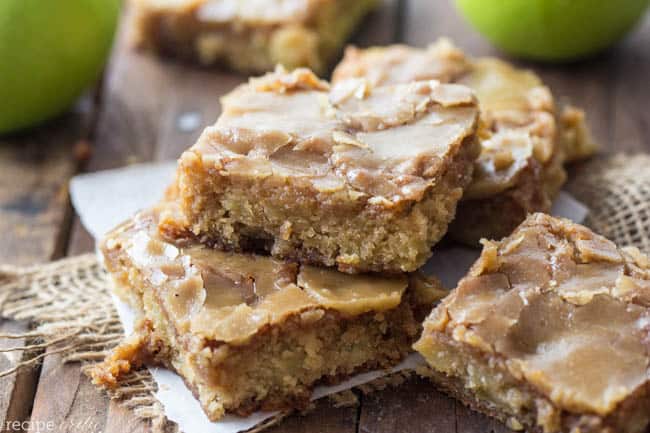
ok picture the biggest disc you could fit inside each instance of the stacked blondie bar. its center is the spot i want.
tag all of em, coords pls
(286, 252)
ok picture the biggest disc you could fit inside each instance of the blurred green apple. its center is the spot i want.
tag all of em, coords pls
(552, 30)
(50, 51)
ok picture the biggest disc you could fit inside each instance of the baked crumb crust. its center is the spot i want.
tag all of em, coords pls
(549, 330)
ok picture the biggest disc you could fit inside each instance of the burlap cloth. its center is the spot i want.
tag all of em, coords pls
(69, 302)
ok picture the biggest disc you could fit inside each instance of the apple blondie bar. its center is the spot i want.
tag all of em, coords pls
(250, 332)
(520, 168)
(248, 35)
(549, 332)
(359, 177)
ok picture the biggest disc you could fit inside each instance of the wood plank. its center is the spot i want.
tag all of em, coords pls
(468, 421)
(66, 399)
(35, 168)
(121, 419)
(324, 418)
(34, 218)
(417, 406)
(16, 390)
(426, 21)
(411, 407)
(631, 119)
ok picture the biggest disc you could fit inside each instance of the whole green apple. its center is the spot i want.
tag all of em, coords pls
(552, 30)
(50, 51)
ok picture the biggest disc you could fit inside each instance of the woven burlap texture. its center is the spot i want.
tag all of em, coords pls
(70, 304)
(616, 189)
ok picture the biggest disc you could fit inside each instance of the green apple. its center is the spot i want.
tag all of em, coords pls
(50, 52)
(552, 30)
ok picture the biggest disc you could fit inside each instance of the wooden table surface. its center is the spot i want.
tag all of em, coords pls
(134, 116)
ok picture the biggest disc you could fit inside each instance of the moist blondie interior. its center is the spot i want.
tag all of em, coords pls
(249, 332)
(359, 177)
(248, 35)
(549, 332)
(524, 146)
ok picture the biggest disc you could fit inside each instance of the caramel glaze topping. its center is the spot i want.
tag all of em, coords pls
(517, 121)
(228, 297)
(385, 144)
(567, 310)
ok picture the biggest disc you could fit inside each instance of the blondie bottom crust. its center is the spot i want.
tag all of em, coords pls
(520, 169)
(549, 332)
(359, 177)
(249, 332)
(248, 35)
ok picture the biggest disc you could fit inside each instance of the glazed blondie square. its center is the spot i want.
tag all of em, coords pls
(549, 332)
(359, 177)
(524, 141)
(248, 35)
(249, 332)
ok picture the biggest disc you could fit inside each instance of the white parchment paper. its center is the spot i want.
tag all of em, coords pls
(104, 199)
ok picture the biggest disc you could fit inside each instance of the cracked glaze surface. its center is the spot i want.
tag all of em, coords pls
(566, 309)
(348, 139)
